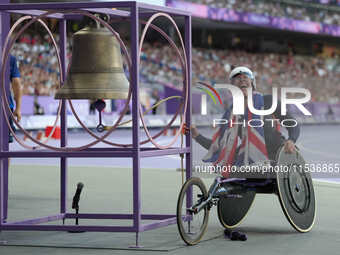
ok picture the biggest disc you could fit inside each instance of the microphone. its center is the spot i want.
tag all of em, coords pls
(76, 198)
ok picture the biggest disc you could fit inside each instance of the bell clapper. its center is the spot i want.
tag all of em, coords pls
(100, 106)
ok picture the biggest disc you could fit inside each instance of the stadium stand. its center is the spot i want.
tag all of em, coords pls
(38, 65)
(299, 10)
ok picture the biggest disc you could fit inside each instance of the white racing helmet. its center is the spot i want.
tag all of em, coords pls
(243, 70)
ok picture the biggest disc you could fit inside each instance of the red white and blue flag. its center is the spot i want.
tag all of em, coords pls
(225, 150)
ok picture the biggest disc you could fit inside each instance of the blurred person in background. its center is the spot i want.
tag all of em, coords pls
(17, 93)
(154, 100)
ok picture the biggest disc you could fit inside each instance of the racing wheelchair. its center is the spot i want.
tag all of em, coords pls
(234, 196)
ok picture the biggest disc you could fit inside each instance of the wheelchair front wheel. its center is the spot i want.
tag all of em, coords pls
(192, 223)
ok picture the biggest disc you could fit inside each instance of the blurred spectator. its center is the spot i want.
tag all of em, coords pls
(38, 65)
(92, 109)
(276, 8)
(330, 114)
(160, 64)
(154, 100)
(37, 108)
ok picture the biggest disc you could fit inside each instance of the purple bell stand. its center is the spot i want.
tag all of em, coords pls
(132, 11)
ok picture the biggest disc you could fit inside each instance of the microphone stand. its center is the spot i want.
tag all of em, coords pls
(75, 205)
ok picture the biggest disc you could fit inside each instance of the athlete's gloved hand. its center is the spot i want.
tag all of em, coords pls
(289, 146)
(193, 130)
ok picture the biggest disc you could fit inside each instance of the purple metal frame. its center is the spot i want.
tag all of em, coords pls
(136, 10)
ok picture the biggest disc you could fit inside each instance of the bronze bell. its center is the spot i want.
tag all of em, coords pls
(96, 70)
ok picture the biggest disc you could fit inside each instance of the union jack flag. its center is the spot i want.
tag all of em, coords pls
(224, 150)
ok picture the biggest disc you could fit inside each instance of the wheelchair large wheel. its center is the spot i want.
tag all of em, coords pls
(233, 210)
(191, 224)
(295, 190)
